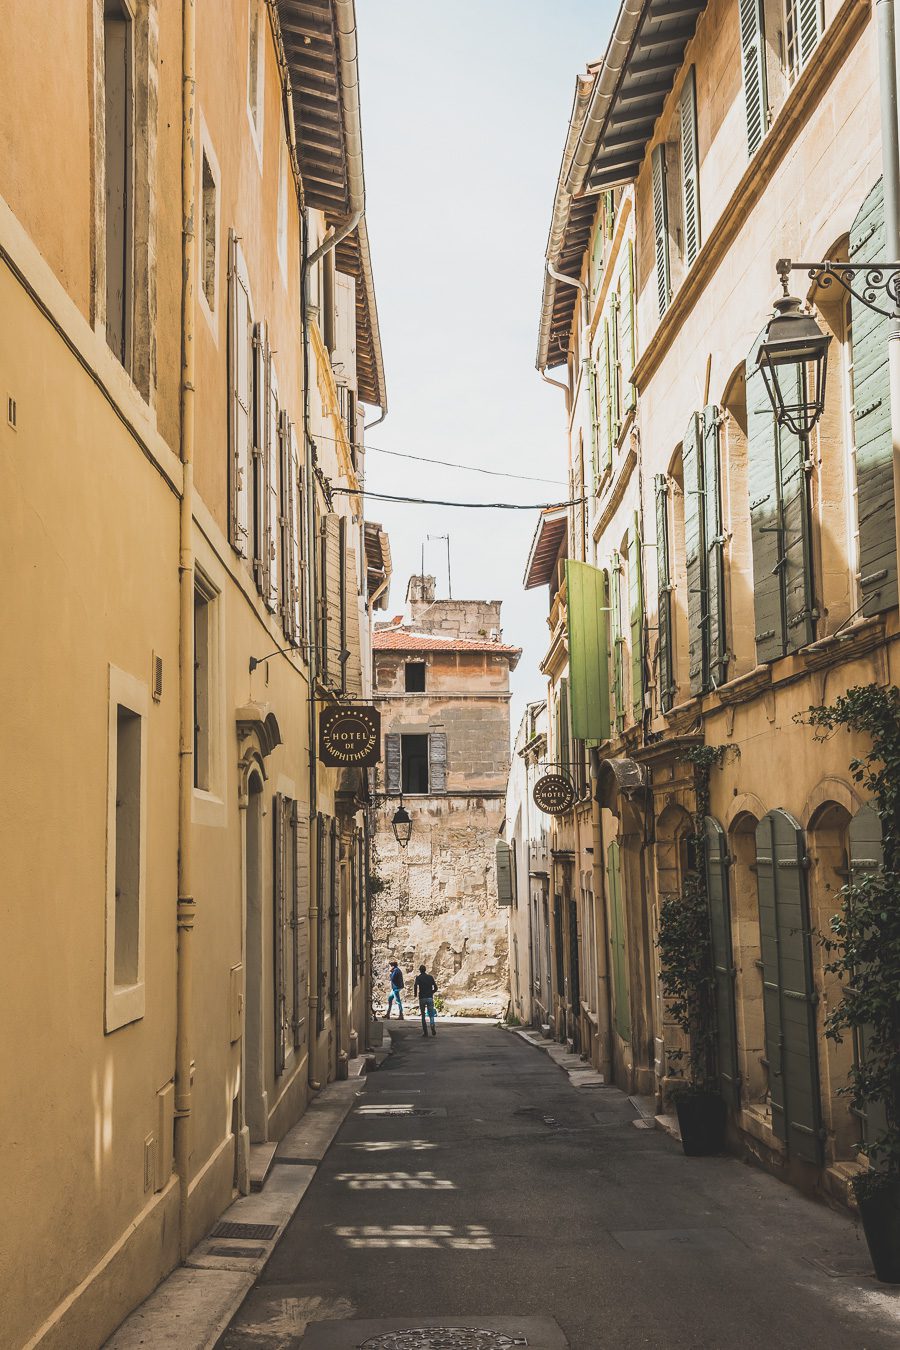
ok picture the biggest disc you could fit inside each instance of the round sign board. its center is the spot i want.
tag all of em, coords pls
(350, 736)
(554, 794)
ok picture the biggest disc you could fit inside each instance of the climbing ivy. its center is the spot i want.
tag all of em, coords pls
(685, 941)
(864, 943)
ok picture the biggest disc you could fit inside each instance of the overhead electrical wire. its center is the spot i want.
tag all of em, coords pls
(466, 506)
(447, 463)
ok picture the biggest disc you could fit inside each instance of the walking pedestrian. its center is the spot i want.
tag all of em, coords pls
(395, 985)
(426, 988)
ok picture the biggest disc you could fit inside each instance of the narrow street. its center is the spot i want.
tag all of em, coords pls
(496, 1195)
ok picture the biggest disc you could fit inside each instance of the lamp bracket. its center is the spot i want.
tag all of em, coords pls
(866, 282)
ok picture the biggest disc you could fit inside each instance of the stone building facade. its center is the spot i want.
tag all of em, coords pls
(729, 574)
(441, 683)
(188, 337)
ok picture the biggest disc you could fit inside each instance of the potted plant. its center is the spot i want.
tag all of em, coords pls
(864, 953)
(688, 983)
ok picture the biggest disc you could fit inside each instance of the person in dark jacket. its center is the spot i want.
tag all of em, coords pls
(396, 984)
(426, 987)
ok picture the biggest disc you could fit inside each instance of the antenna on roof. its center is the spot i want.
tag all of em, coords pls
(449, 582)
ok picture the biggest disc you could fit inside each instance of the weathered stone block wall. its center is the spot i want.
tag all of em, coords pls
(439, 906)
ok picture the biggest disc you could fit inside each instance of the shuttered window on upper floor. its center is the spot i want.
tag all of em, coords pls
(617, 638)
(804, 24)
(753, 64)
(872, 421)
(704, 551)
(661, 228)
(240, 398)
(664, 678)
(690, 168)
(636, 609)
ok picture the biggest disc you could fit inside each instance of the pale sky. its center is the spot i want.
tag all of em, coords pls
(465, 106)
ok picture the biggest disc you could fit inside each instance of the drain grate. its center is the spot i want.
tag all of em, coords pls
(263, 1232)
(401, 1110)
(443, 1338)
(251, 1253)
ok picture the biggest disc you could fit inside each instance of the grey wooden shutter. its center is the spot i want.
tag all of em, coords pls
(872, 421)
(690, 182)
(723, 962)
(334, 918)
(795, 561)
(259, 438)
(574, 968)
(300, 922)
(753, 61)
(768, 941)
(502, 855)
(621, 991)
(867, 855)
(664, 595)
(331, 599)
(565, 726)
(695, 554)
(393, 763)
(437, 761)
(781, 869)
(271, 559)
(714, 543)
(239, 398)
(278, 926)
(661, 228)
(636, 610)
(809, 24)
(765, 518)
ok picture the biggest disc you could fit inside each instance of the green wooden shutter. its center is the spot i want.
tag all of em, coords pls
(664, 595)
(872, 421)
(695, 554)
(768, 941)
(586, 617)
(723, 962)
(603, 404)
(618, 640)
(597, 252)
(636, 610)
(629, 330)
(714, 543)
(661, 228)
(765, 518)
(615, 411)
(621, 1002)
(867, 855)
(595, 430)
(690, 181)
(753, 60)
(795, 562)
(781, 871)
(609, 213)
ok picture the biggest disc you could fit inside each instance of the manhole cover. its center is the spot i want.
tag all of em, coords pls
(442, 1338)
(263, 1232)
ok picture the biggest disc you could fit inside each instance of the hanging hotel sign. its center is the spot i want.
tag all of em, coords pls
(554, 794)
(350, 737)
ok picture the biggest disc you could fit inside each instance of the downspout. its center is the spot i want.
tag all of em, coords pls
(887, 36)
(186, 907)
(604, 998)
(312, 666)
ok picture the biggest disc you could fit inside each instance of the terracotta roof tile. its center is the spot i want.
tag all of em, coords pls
(401, 639)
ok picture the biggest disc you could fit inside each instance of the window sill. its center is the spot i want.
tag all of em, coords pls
(124, 1005)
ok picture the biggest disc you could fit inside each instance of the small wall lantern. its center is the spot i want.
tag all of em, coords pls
(401, 824)
(793, 338)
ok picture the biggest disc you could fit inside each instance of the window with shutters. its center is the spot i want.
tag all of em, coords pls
(852, 479)
(661, 228)
(665, 684)
(804, 24)
(204, 679)
(126, 830)
(414, 764)
(753, 65)
(291, 531)
(299, 922)
(597, 254)
(272, 491)
(259, 456)
(636, 618)
(690, 168)
(242, 410)
(618, 593)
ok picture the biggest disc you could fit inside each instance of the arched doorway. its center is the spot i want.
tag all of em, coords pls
(789, 996)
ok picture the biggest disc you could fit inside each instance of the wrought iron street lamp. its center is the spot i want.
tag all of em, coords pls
(793, 339)
(401, 824)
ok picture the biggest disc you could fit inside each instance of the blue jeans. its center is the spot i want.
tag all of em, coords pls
(394, 994)
(427, 1005)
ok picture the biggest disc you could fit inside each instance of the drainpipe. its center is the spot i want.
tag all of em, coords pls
(604, 1000)
(890, 165)
(186, 907)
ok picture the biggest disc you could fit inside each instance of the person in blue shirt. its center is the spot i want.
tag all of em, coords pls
(396, 984)
(426, 987)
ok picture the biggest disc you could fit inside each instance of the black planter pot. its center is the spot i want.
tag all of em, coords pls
(880, 1213)
(701, 1120)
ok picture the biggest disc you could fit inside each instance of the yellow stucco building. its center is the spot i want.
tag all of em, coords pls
(189, 338)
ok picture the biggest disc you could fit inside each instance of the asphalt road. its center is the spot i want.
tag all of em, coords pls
(527, 1198)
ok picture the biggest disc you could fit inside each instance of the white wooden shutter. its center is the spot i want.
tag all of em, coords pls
(690, 182)
(753, 61)
(344, 355)
(240, 405)
(258, 447)
(273, 493)
(661, 228)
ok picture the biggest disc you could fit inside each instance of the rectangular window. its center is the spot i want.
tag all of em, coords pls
(118, 39)
(203, 660)
(414, 677)
(125, 862)
(209, 234)
(414, 764)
